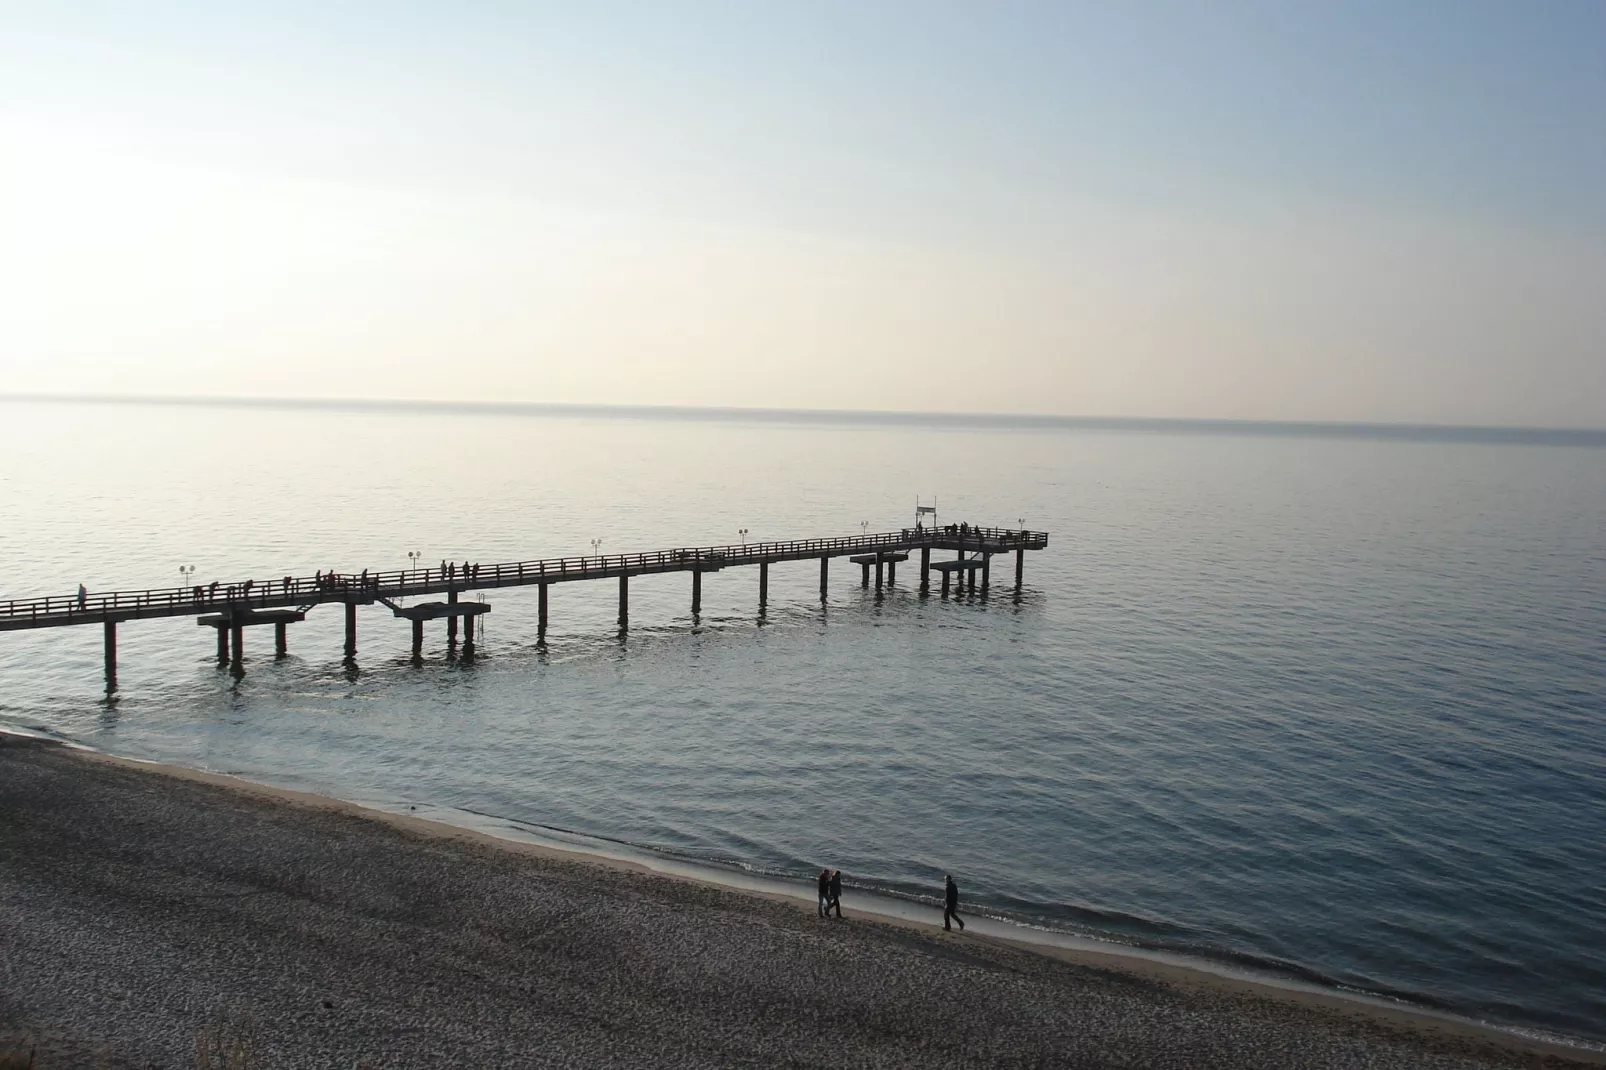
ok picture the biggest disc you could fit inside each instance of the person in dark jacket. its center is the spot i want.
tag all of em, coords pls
(950, 907)
(836, 893)
(824, 883)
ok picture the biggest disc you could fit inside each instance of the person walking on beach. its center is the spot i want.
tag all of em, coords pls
(823, 883)
(950, 908)
(836, 893)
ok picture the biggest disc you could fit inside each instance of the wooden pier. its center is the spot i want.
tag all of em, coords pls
(231, 608)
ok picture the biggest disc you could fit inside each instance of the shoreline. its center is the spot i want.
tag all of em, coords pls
(1176, 971)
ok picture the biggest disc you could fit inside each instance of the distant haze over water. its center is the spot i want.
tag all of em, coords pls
(1558, 436)
(1325, 699)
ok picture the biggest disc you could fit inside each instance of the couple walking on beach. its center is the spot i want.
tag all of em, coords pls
(829, 885)
(830, 888)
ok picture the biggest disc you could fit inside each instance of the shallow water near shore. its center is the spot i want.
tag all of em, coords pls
(1328, 708)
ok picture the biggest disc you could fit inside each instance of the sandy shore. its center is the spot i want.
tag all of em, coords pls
(143, 906)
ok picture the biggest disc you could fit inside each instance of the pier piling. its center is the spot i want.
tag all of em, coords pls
(1020, 565)
(540, 625)
(864, 580)
(111, 656)
(925, 569)
(825, 571)
(222, 646)
(986, 564)
(624, 603)
(351, 631)
(281, 643)
(237, 649)
(418, 638)
(696, 591)
(892, 571)
(763, 585)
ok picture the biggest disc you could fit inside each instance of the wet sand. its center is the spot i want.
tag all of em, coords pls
(141, 906)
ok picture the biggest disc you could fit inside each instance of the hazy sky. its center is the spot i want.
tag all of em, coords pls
(1356, 211)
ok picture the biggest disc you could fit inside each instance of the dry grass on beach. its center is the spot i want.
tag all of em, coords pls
(19, 1055)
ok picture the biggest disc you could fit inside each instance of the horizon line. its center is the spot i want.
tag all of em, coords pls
(1483, 433)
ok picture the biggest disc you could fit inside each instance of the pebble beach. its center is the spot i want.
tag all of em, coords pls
(147, 910)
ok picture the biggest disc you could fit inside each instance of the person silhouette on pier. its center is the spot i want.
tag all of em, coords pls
(836, 894)
(83, 595)
(950, 907)
(823, 886)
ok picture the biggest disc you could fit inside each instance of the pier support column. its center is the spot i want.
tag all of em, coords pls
(237, 650)
(925, 569)
(451, 625)
(624, 603)
(763, 585)
(865, 579)
(351, 631)
(825, 571)
(222, 645)
(696, 591)
(540, 627)
(111, 656)
(418, 641)
(892, 573)
(945, 575)
(281, 642)
(1020, 566)
(468, 638)
(986, 566)
(880, 572)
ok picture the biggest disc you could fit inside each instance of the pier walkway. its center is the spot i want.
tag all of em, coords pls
(229, 607)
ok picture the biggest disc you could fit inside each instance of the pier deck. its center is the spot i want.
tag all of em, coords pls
(304, 592)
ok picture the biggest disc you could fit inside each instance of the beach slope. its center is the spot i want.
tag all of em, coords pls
(141, 909)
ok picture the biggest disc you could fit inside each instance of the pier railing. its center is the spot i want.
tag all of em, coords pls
(368, 585)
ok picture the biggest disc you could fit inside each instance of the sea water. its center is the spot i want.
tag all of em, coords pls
(1324, 704)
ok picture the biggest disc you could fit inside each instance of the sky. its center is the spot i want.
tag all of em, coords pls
(1361, 211)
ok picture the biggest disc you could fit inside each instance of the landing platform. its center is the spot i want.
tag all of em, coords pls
(245, 618)
(870, 559)
(439, 610)
(957, 566)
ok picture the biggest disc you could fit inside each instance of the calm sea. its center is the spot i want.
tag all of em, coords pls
(1330, 705)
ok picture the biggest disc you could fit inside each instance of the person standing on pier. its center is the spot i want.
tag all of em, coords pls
(823, 886)
(836, 893)
(950, 908)
(83, 595)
